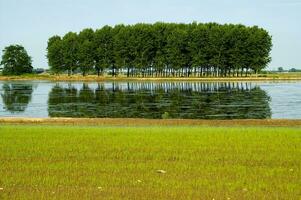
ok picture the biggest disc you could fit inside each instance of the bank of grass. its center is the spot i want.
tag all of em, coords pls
(78, 77)
(149, 122)
(61, 162)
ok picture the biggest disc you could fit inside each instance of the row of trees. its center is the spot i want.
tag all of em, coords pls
(162, 49)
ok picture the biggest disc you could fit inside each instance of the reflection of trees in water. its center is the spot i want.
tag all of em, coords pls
(151, 100)
(16, 97)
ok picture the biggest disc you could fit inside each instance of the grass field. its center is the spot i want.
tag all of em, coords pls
(64, 162)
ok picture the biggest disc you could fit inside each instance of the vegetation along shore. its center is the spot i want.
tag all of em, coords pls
(149, 122)
(62, 77)
(152, 50)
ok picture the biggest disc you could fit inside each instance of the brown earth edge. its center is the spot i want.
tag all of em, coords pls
(100, 79)
(149, 122)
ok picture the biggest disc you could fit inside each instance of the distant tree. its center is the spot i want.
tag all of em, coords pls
(16, 61)
(260, 44)
(280, 69)
(178, 55)
(160, 58)
(85, 53)
(198, 47)
(70, 52)
(104, 50)
(124, 47)
(55, 54)
(142, 45)
(293, 70)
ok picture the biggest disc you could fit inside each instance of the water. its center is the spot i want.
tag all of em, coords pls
(190, 100)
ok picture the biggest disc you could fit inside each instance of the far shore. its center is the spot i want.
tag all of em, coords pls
(91, 78)
(150, 122)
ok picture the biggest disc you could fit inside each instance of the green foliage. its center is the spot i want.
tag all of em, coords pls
(103, 48)
(294, 70)
(165, 115)
(16, 61)
(70, 48)
(85, 52)
(55, 54)
(164, 49)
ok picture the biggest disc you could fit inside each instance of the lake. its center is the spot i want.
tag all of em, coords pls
(154, 100)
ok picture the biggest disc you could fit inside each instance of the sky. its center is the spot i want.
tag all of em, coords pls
(31, 22)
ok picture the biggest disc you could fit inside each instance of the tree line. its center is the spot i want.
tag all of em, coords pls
(162, 49)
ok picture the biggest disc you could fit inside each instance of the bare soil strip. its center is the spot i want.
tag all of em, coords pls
(149, 122)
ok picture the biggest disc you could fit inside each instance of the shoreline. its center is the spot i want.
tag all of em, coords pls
(94, 78)
(150, 122)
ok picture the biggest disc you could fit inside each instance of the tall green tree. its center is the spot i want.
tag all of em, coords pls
(177, 50)
(86, 50)
(16, 61)
(260, 44)
(70, 52)
(55, 54)
(124, 47)
(104, 49)
(160, 41)
(199, 47)
(143, 46)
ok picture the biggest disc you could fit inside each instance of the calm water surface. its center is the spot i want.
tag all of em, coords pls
(191, 100)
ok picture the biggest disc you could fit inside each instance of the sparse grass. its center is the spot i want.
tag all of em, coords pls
(61, 162)
(280, 75)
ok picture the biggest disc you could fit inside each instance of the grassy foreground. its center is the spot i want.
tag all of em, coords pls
(62, 162)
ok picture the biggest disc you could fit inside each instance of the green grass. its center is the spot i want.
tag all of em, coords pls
(43, 162)
(280, 75)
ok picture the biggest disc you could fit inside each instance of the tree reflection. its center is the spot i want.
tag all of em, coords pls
(16, 97)
(150, 100)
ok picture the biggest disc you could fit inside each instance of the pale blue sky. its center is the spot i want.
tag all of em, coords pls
(32, 22)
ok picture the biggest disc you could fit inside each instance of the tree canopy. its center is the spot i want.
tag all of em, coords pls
(163, 49)
(15, 60)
